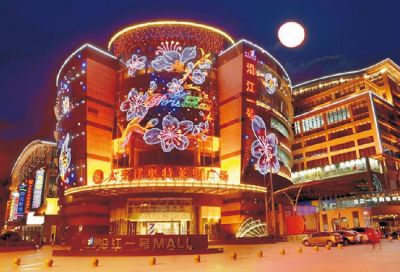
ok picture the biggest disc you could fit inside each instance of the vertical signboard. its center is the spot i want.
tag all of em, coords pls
(21, 201)
(14, 206)
(262, 100)
(249, 106)
(38, 189)
(8, 210)
(29, 196)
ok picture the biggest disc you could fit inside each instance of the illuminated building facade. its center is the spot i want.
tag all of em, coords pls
(33, 204)
(346, 147)
(173, 130)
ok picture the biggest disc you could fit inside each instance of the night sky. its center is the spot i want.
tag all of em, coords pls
(36, 37)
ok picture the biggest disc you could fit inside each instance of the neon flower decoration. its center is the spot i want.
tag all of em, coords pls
(264, 148)
(201, 129)
(175, 86)
(198, 76)
(134, 105)
(135, 63)
(271, 83)
(171, 136)
(65, 159)
(172, 57)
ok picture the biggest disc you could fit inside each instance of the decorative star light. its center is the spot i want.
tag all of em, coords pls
(201, 129)
(271, 83)
(172, 134)
(134, 105)
(264, 148)
(65, 159)
(135, 63)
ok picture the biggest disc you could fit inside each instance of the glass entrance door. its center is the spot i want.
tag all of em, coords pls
(167, 228)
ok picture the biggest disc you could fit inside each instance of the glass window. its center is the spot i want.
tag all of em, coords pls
(337, 115)
(312, 123)
(279, 127)
(297, 127)
(283, 157)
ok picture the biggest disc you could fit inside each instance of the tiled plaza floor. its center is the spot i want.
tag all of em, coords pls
(351, 258)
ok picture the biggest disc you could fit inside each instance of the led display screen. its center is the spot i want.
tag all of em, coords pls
(22, 197)
(38, 189)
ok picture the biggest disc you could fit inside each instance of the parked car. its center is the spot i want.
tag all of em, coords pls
(394, 234)
(368, 234)
(10, 236)
(323, 238)
(350, 237)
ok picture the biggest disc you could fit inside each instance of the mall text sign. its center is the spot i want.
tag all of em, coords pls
(157, 242)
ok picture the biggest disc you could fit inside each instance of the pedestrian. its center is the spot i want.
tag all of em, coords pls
(375, 240)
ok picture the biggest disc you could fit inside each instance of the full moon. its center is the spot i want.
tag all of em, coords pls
(291, 34)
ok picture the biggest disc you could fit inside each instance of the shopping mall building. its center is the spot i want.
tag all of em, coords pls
(174, 129)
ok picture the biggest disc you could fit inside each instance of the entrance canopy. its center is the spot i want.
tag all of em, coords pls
(125, 188)
(352, 184)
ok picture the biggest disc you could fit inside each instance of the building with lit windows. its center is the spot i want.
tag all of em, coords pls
(33, 204)
(346, 148)
(168, 131)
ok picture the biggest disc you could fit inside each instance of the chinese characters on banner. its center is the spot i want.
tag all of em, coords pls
(250, 94)
(180, 173)
(376, 199)
(28, 196)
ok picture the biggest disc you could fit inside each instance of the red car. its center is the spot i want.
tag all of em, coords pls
(369, 234)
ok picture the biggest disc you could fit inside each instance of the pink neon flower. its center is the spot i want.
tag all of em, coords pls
(171, 136)
(264, 148)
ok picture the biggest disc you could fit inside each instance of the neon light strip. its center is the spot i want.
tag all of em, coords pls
(376, 123)
(340, 101)
(263, 51)
(149, 24)
(76, 52)
(146, 184)
(346, 73)
(31, 144)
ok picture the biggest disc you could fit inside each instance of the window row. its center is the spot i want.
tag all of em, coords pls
(338, 115)
(283, 157)
(312, 123)
(359, 111)
(342, 146)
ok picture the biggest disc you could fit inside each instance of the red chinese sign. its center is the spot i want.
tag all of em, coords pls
(180, 173)
(29, 196)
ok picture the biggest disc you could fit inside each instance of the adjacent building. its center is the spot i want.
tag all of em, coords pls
(33, 204)
(346, 148)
